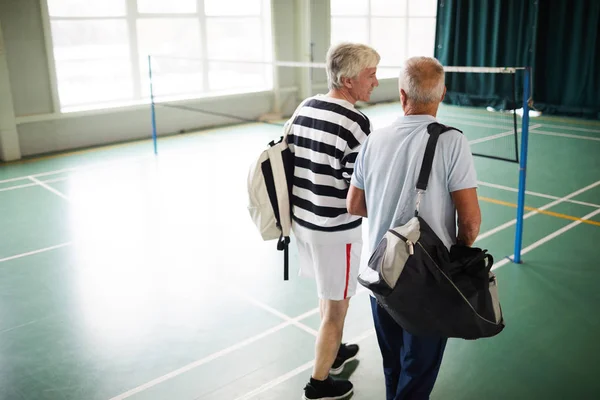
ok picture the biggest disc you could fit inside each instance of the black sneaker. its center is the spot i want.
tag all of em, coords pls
(346, 353)
(329, 389)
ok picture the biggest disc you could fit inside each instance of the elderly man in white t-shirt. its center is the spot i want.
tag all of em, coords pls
(383, 188)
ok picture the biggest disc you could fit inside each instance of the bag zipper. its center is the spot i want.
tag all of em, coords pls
(411, 245)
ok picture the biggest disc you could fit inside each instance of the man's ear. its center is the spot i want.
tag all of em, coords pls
(402, 97)
(443, 94)
(347, 82)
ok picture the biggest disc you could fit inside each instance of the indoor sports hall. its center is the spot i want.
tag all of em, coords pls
(129, 265)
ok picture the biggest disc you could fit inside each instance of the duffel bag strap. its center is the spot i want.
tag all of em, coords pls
(435, 129)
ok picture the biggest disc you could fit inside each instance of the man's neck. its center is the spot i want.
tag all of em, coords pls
(342, 94)
(427, 110)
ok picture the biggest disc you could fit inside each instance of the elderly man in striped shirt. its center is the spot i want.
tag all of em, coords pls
(325, 138)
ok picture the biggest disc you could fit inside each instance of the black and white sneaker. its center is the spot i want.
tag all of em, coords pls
(329, 389)
(346, 353)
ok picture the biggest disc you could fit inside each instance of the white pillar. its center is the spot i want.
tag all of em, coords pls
(303, 29)
(9, 139)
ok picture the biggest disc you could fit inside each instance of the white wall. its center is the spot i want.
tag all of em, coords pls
(41, 130)
(26, 54)
(9, 139)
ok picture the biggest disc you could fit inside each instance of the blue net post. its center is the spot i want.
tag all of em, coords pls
(152, 106)
(522, 167)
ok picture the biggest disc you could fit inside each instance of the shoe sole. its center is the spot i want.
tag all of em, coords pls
(340, 369)
(349, 392)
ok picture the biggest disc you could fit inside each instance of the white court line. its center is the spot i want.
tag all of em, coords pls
(50, 188)
(273, 311)
(32, 184)
(487, 138)
(568, 135)
(20, 178)
(223, 352)
(27, 324)
(545, 123)
(531, 129)
(271, 384)
(78, 169)
(442, 118)
(499, 135)
(6, 189)
(572, 128)
(532, 213)
(547, 196)
(212, 357)
(54, 172)
(547, 238)
(58, 246)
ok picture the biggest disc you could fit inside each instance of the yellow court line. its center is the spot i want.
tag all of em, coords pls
(550, 213)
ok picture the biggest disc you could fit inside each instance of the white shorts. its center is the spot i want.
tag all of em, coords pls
(334, 266)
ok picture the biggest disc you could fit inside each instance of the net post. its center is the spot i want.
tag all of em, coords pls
(152, 105)
(522, 168)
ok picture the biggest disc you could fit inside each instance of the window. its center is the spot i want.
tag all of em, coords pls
(166, 7)
(198, 47)
(397, 29)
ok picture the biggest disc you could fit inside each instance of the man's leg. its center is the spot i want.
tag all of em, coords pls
(421, 360)
(321, 385)
(335, 269)
(330, 336)
(389, 337)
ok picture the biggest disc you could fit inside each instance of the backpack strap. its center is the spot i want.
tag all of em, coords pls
(282, 191)
(435, 129)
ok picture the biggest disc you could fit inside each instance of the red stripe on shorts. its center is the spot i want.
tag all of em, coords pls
(348, 248)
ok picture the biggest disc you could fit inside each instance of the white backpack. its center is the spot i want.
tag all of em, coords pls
(269, 189)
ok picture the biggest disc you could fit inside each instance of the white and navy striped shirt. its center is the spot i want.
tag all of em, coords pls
(325, 138)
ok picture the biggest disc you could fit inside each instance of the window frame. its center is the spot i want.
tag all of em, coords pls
(369, 18)
(136, 59)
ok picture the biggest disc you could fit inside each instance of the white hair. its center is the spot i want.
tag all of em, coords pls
(422, 79)
(348, 60)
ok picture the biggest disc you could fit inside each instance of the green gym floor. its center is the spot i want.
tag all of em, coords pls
(129, 275)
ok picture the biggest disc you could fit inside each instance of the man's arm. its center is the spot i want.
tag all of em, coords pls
(353, 146)
(469, 215)
(355, 201)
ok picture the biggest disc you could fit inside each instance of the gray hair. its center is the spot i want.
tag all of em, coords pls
(348, 60)
(422, 79)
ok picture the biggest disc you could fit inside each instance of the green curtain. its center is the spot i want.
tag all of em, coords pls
(485, 33)
(567, 77)
(559, 39)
